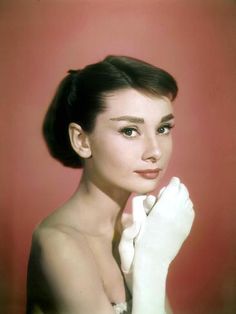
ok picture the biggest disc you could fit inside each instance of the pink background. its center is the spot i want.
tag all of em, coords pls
(195, 41)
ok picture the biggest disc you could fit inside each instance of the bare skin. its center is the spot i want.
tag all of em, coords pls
(74, 258)
(74, 264)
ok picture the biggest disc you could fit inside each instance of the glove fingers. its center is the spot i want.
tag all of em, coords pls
(139, 214)
(130, 232)
(148, 203)
(184, 191)
(171, 189)
(175, 181)
(127, 259)
(173, 185)
(161, 191)
(189, 204)
(126, 246)
(126, 219)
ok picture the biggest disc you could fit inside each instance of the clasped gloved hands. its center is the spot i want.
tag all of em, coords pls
(160, 226)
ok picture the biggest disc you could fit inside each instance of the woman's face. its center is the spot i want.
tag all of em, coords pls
(131, 143)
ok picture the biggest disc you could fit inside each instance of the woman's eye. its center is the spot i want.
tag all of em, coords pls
(129, 132)
(164, 129)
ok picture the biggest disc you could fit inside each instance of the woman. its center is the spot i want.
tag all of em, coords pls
(114, 119)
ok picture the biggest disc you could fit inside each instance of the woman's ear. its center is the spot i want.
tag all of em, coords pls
(79, 140)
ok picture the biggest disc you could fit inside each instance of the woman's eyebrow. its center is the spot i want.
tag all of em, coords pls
(129, 119)
(133, 119)
(167, 118)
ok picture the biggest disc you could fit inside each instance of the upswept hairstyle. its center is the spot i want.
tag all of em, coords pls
(81, 96)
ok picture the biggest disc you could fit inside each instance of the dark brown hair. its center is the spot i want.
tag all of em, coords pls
(81, 95)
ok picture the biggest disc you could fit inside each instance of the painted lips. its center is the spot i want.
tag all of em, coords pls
(149, 174)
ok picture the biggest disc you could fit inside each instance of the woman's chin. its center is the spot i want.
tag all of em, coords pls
(146, 189)
(147, 185)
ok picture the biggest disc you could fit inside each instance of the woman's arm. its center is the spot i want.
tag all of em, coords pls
(71, 274)
(158, 238)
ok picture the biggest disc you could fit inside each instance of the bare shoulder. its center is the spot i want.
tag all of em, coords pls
(64, 250)
(70, 270)
(60, 238)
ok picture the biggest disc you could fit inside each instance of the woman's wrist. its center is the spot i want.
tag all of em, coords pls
(150, 260)
(149, 289)
(145, 276)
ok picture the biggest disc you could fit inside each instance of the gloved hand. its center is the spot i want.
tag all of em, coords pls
(157, 237)
(168, 224)
(132, 223)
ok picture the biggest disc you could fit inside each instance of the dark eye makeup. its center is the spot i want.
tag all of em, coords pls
(131, 131)
(165, 128)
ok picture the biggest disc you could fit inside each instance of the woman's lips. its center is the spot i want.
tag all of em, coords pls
(149, 174)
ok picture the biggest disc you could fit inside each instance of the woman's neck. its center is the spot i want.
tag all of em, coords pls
(99, 208)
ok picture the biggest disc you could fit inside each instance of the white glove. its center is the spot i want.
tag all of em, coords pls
(168, 224)
(148, 246)
(132, 223)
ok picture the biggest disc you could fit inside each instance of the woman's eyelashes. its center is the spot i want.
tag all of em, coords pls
(129, 132)
(132, 132)
(165, 128)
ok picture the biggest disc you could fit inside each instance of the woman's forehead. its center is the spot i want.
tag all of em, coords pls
(133, 102)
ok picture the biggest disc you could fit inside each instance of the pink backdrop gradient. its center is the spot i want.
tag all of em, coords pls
(193, 40)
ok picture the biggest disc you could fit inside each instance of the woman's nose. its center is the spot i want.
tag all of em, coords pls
(152, 150)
